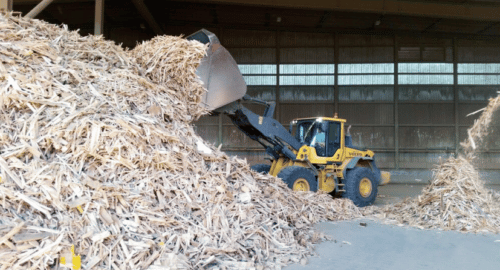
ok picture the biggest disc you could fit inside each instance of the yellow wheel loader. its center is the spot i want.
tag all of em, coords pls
(314, 154)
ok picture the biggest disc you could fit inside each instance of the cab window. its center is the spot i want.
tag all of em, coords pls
(333, 138)
(313, 133)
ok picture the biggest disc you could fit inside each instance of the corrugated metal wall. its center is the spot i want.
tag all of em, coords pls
(406, 97)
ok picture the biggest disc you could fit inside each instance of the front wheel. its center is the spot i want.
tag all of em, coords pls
(360, 186)
(261, 168)
(299, 178)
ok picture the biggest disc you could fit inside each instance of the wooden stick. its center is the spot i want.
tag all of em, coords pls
(11, 233)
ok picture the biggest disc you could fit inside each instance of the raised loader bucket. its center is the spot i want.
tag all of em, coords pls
(219, 72)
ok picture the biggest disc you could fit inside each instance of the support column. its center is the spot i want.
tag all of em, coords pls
(396, 104)
(6, 5)
(336, 62)
(455, 96)
(277, 111)
(39, 8)
(99, 17)
(220, 127)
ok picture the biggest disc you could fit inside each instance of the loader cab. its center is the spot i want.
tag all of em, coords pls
(323, 134)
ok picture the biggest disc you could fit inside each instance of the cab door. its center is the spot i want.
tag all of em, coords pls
(334, 141)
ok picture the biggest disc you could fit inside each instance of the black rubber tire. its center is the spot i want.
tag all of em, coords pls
(352, 180)
(261, 168)
(292, 173)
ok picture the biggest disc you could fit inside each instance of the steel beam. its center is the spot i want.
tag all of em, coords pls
(491, 25)
(6, 5)
(325, 16)
(324, 29)
(277, 95)
(396, 102)
(432, 25)
(99, 17)
(456, 96)
(144, 11)
(336, 58)
(39, 8)
(435, 9)
(220, 35)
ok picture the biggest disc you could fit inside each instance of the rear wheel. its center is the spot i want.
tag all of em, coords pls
(299, 178)
(360, 186)
(261, 168)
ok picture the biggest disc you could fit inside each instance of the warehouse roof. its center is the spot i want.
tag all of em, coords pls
(464, 17)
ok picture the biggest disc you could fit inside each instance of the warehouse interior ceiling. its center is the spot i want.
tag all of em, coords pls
(463, 17)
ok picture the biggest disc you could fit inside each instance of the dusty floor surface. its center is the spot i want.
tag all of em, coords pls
(379, 246)
(387, 247)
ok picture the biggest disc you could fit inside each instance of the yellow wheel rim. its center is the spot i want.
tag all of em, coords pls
(365, 187)
(301, 184)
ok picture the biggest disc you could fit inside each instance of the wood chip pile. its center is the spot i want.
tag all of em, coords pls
(456, 198)
(161, 61)
(97, 152)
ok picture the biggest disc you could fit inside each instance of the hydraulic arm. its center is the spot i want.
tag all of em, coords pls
(226, 87)
(263, 129)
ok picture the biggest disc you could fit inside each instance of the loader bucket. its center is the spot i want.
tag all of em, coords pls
(219, 72)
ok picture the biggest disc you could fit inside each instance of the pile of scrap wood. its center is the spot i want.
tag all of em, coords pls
(162, 62)
(482, 127)
(99, 162)
(456, 198)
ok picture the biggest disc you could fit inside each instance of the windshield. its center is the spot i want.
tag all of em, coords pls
(324, 136)
(309, 132)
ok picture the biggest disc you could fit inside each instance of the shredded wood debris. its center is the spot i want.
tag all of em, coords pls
(481, 128)
(456, 198)
(164, 65)
(98, 153)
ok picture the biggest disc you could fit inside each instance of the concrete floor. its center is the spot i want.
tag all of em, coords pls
(380, 246)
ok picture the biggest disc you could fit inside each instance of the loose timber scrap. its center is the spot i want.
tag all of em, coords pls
(98, 153)
(314, 154)
(456, 198)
